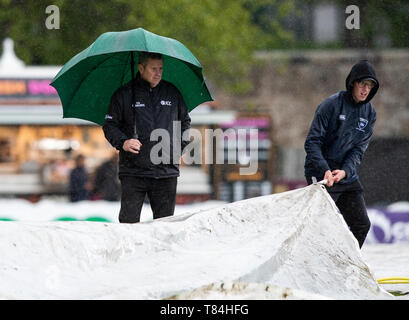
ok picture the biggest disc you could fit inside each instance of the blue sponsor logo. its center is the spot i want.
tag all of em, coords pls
(362, 124)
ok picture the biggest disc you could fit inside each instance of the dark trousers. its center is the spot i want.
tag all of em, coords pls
(161, 194)
(351, 204)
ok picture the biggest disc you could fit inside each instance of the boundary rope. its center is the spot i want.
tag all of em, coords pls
(393, 280)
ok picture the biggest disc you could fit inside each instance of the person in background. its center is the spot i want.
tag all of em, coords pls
(106, 182)
(337, 140)
(78, 183)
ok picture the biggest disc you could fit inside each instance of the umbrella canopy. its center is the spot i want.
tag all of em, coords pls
(87, 81)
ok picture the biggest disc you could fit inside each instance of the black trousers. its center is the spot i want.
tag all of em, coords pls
(350, 202)
(161, 194)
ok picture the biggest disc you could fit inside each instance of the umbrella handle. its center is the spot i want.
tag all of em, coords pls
(135, 131)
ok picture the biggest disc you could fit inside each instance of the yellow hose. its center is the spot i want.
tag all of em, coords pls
(393, 280)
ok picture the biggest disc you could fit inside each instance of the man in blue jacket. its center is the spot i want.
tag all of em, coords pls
(337, 139)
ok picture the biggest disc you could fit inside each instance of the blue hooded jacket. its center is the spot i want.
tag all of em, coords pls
(341, 129)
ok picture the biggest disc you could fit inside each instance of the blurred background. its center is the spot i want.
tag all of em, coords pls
(268, 64)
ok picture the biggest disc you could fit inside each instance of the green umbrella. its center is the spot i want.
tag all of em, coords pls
(87, 81)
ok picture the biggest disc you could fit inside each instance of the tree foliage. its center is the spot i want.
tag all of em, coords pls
(388, 19)
(221, 34)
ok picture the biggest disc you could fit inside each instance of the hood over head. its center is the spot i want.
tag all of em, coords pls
(363, 69)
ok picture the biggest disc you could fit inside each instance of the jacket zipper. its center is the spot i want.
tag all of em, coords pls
(154, 116)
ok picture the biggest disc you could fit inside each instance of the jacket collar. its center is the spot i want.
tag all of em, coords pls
(145, 84)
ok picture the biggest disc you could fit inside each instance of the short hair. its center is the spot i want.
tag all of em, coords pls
(145, 56)
(79, 158)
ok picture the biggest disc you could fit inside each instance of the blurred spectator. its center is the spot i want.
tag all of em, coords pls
(106, 182)
(78, 186)
(48, 172)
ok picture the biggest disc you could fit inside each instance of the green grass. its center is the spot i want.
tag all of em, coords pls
(398, 293)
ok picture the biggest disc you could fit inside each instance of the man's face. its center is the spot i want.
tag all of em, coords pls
(361, 90)
(152, 72)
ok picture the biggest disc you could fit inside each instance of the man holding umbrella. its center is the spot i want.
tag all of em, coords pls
(138, 108)
(99, 85)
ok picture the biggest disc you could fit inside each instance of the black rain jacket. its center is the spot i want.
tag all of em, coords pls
(341, 129)
(161, 107)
